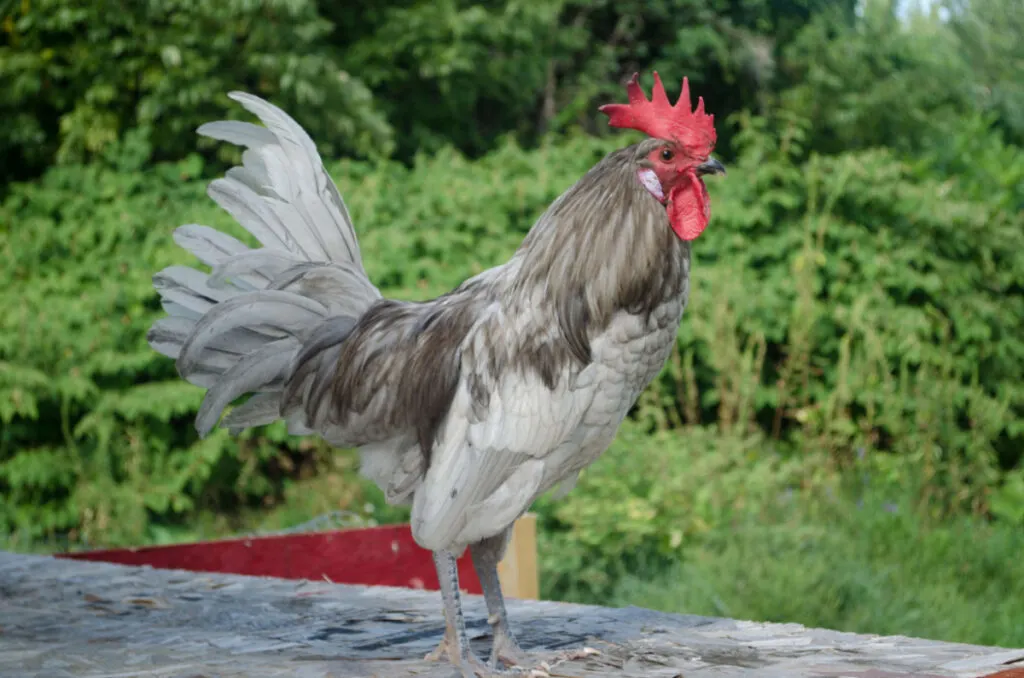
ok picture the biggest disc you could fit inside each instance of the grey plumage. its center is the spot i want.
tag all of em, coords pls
(237, 329)
(289, 198)
(259, 410)
(209, 245)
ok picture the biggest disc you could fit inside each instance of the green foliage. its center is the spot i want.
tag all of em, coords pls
(699, 522)
(83, 80)
(875, 82)
(989, 33)
(871, 314)
(650, 495)
(532, 67)
(1007, 501)
(869, 566)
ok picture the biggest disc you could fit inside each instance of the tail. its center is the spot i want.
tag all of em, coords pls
(239, 329)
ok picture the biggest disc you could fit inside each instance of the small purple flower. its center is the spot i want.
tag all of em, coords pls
(890, 507)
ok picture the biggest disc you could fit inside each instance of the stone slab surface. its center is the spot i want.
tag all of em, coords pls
(61, 618)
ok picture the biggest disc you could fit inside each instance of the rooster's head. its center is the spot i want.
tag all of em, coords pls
(671, 168)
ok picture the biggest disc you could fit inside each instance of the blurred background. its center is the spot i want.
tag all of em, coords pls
(837, 439)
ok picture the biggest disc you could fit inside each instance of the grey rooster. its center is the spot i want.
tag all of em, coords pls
(468, 406)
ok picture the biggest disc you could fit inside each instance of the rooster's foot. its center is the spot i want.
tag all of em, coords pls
(528, 669)
(510, 662)
(573, 655)
(468, 665)
(506, 652)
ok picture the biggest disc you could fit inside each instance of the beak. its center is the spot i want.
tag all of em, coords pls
(710, 166)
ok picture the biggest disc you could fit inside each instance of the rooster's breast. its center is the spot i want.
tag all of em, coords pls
(627, 356)
(517, 435)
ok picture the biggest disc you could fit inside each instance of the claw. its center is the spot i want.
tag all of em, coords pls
(471, 666)
(439, 653)
(576, 653)
(507, 651)
(517, 663)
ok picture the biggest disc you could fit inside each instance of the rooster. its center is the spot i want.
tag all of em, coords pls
(468, 406)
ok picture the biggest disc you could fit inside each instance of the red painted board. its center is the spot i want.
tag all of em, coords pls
(382, 556)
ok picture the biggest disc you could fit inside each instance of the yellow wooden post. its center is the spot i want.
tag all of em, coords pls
(518, 569)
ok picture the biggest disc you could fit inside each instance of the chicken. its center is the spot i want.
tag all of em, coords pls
(468, 406)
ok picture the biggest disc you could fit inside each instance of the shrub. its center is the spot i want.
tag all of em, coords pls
(82, 81)
(867, 566)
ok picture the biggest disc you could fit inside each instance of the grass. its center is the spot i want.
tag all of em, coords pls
(873, 568)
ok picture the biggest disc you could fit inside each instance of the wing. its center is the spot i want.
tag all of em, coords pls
(513, 424)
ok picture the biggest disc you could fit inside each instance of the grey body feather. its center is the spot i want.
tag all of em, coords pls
(467, 406)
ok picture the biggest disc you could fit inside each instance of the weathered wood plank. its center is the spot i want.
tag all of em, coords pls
(70, 618)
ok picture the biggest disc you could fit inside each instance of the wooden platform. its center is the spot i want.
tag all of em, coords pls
(63, 618)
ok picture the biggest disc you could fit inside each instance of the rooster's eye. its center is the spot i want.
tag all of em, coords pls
(667, 155)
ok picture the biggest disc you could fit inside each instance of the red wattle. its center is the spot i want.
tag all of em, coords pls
(689, 207)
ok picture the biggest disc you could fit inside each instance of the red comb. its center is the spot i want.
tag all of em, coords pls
(659, 119)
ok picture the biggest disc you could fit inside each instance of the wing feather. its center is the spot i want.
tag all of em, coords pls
(497, 452)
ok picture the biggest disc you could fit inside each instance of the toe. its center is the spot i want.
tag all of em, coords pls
(439, 653)
(513, 656)
(472, 666)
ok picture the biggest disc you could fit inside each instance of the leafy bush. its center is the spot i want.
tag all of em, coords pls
(463, 73)
(989, 35)
(869, 566)
(80, 81)
(876, 304)
(95, 437)
(875, 82)
(840, 303)
(649, 496)
(699, 522)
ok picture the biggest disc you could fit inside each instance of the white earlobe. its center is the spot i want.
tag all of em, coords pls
(649, 180)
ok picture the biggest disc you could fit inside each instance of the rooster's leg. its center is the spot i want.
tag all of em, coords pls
(486, 556)
(455, 642)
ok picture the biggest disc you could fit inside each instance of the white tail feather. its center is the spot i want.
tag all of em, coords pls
(238, 329)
